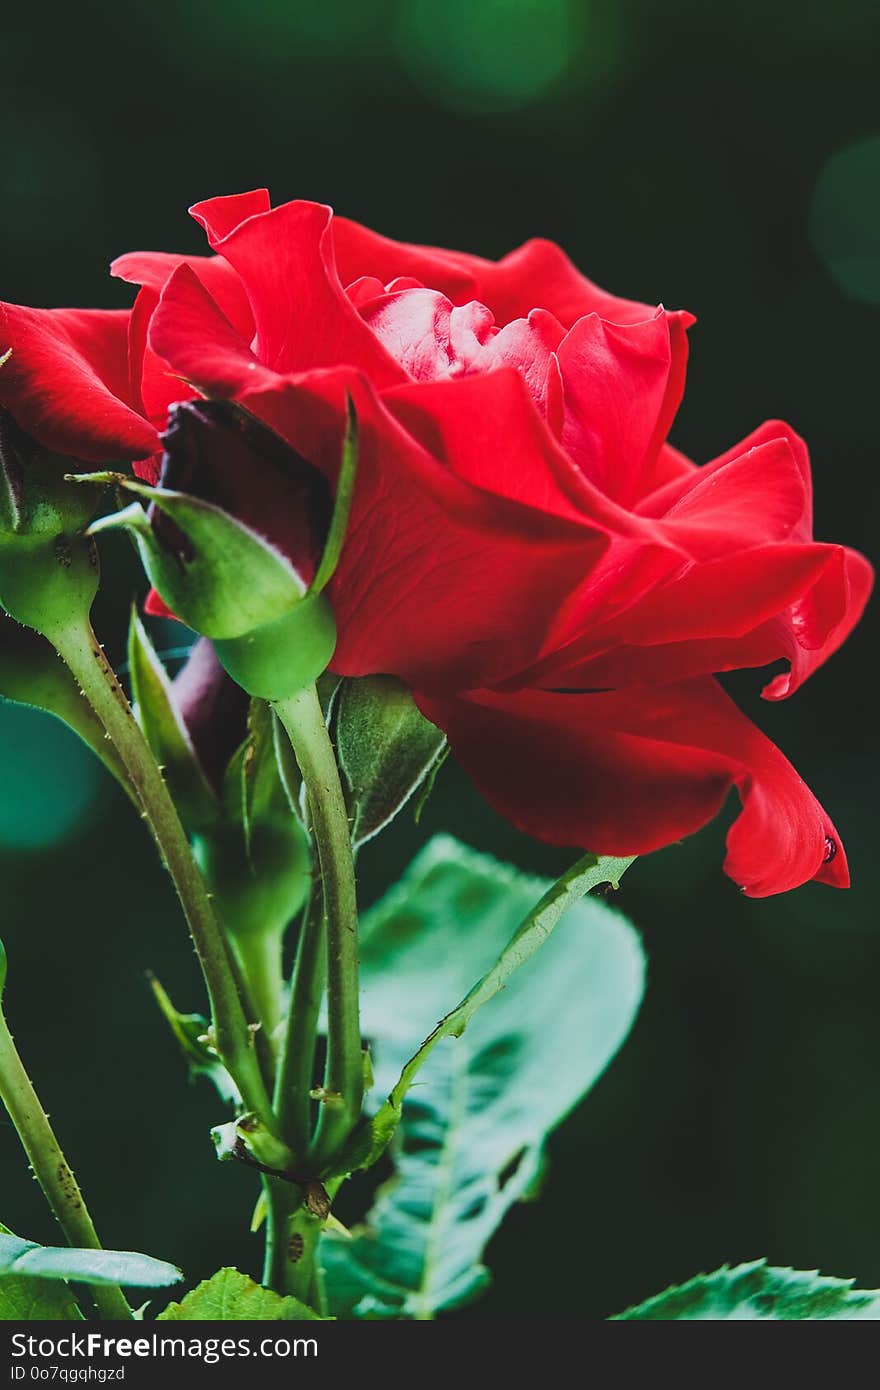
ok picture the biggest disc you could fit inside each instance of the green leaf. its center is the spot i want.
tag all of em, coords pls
(473, 1130)
(25, 1299)
(188, 1030)
(591, 871)
(25, 1258)
(32, 673)
(758, 1290)
(386, 749)
(165, 730)
(231, 1295)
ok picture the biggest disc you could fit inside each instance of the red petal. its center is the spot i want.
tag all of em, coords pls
(458, 422)
(719, 616)
(670, 466)
(153, 385)
(220, 216)
(622, 773)
(767, 478)
(537, 275)
(753, 497)
(486, 430)
(153, 270)
(449, 587)
(820, 622)
(673, 492)
(734, 605)
(360, 252)
(303, 317)
(622, 386)
(493, 573)
(66, 382)
(190, 334)
(415, 328)
(529, 345)
(156, 385)
(540, 275)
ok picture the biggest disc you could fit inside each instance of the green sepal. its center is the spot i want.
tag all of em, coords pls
(48, 566)
(341, 503)
(425, 790)
(216, 574)
(37, 495)
(32, 673)
(262, 792)
(190, 1032)
(288, 768)
(249, 1133)
(284, 655)
(165, 731)
(3, 967)
(386, 750)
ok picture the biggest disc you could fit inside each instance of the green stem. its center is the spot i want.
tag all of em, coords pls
(51, 1168)
(292, 1237)
(303, 718)
(82, 652)
(259, 960)
(296, 1072)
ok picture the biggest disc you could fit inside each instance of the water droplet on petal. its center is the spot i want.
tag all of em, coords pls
(830, 849)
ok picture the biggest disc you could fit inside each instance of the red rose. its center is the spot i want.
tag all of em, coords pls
(557, 584)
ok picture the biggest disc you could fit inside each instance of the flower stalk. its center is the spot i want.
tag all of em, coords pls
(295, 1077)
(233, 1038)
(303, 718)
(293, 1232)
(51, 1168)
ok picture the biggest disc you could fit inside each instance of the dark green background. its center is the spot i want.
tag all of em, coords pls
(725, 159)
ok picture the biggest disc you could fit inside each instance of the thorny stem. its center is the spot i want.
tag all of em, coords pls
(232, 1037)
(292, 1236)
(293, 1104)
(51, 1168)
(303, 718)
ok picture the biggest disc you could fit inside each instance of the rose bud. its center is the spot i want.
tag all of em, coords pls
(236, 541)
(48, 567)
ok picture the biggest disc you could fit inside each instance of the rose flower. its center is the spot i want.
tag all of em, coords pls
(557, 584)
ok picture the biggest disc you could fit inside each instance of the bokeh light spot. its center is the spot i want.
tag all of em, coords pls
(50, 780)
(845, 219)
(484, 55)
